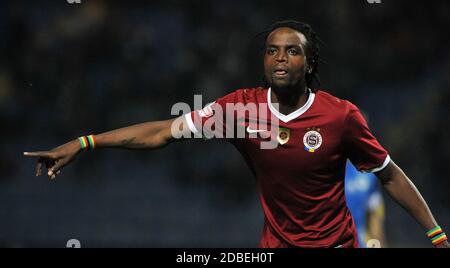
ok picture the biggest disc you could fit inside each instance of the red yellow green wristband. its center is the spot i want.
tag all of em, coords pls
(87, 142)
(437, 235)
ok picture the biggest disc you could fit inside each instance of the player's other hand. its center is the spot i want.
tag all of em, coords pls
(56, 158)
(444, 244)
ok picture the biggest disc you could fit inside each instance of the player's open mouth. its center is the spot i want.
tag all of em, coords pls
(280, 73)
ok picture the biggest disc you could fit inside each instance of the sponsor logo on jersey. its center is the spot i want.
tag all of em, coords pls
(251, 130)
(312, 141)
(283, 135)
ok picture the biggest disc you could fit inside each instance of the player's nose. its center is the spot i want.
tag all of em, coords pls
(281, 57)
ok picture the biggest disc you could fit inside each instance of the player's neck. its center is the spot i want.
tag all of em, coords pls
(290, 99)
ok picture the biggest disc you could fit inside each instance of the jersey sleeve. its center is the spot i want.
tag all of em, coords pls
(362, 148)
(213, 120)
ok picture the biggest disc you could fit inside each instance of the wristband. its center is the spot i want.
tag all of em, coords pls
(437, 235)
(87, 142)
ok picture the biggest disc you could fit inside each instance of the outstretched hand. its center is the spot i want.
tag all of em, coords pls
(444, 244)
(56, 158)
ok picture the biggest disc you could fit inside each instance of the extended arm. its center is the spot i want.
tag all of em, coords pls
(404, 192)
(149, 135)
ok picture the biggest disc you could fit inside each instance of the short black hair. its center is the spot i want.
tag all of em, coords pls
(312, 49)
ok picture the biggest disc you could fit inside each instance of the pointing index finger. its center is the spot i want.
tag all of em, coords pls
(39, 154)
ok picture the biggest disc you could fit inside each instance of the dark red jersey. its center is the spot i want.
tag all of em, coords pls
(301, 180)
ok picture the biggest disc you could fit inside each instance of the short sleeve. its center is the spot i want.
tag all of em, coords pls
(362, 148)
(211, 121)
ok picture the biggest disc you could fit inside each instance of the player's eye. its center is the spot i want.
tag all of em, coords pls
(293, 52)
(271, 51)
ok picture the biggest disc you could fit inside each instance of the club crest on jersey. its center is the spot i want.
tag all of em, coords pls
(312, 140)
(283, 135)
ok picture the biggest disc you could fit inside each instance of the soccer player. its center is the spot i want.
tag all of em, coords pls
(301, 180)
(365, 201)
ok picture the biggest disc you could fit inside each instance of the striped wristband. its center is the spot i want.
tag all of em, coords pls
(87, 142)
(436, 235)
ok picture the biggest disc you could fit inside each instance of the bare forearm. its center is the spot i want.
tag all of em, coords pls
(405, 193)
(149, 135)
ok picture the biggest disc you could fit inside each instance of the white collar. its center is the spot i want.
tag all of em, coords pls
(294, 114)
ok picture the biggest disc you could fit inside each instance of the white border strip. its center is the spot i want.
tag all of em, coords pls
(385, 163)
(294, 114)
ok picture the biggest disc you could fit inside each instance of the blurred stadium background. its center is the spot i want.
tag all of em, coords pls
(73, 69)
